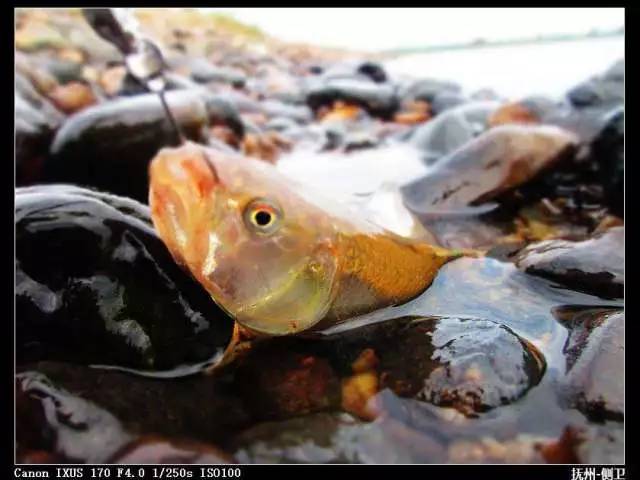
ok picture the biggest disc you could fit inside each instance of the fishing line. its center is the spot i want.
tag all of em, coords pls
(143, 58)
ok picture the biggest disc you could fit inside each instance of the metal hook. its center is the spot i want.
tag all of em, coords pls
(143, 59)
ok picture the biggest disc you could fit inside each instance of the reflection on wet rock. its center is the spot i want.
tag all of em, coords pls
(94, 284)
(483, 365)
(495, 162)
(52, 420)
(159, 450)
(109, 146)
(594, 381)
(470, 364)
(594, 266)
(176, 406)
(57, 426)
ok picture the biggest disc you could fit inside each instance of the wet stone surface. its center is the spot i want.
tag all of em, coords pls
(595, 265)
(595, 359)
(94, 284)
(513, 354)
(109, 146)
(71, 430)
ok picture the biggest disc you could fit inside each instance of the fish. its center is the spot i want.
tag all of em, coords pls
(275, 254)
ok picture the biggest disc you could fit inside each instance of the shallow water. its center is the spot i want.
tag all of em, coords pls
(489, 289)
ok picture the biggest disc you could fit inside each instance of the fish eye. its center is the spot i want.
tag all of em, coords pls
(262, 216)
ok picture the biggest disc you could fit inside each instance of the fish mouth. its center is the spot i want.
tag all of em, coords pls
(182, 182)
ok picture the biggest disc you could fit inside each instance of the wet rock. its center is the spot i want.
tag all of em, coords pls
(594, 444)
(471, 365)
(26, 90)
(379, 99)
(203, 71)
(109, 146)
(485, 94)
(317, 438)
(30, 69)
(475, 365)
(33, 134)
(54, 424)
(594, 266)
(452, 129)
(602, 89)
(513, 113)
(158, 450)
(64, 71)
(495, 162)
(373, 70)
(335, 438)
(280, 383)
(80, 258)
(71, 429)
(168, 406)
(72, 97)
(116, 81)
(413, 112)
(592, 180)
(428, 89)
(608, 151)
(446, 100)
(594, 381)
(275, 108)
(366, 70)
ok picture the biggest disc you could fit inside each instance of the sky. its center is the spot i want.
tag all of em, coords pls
(374, 29)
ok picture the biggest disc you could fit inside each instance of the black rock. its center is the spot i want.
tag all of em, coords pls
(372, 70)
(109, 146)
(67, 427)
(27, 92)
(594, 266)
(470, 364)
(33, 134)
(95, 285)
(198, 407)
(608, 150)
(379, 99)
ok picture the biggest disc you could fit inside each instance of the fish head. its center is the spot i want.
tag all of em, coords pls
(265, 254)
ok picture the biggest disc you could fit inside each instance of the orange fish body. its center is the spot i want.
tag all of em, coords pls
(273, 254)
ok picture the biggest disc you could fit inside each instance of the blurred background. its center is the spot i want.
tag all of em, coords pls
(515, 51)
